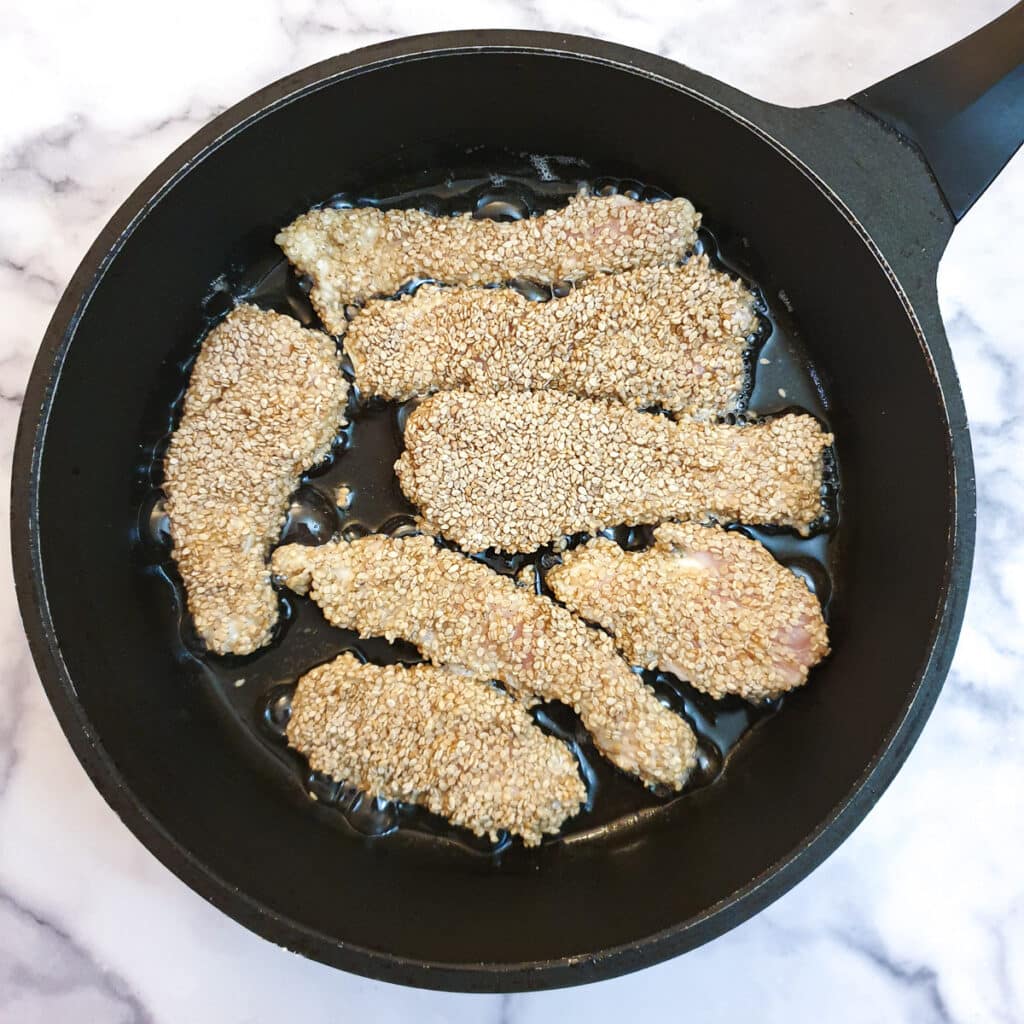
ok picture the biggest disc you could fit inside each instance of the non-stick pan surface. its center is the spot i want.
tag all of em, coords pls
(855, 259)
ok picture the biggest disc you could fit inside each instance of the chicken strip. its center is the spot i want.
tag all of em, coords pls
(709, 605)
(672, 336)
(265, 400)
(462, 615)
(518, 470)
(354, 254)
(460, 747)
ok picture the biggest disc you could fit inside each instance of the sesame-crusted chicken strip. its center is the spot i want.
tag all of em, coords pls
(264, 401)
(465, 616)
(672, 336)
(353, 254)
(518, 470)
(710, 605)
(458, 746)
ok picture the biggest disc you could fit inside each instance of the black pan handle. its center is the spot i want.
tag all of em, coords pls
(964, 108)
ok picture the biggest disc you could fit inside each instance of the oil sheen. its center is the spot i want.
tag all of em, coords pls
(253, 694)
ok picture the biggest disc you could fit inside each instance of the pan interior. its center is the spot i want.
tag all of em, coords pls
(246, 823)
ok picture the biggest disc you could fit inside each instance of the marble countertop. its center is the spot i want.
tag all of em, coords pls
(919, 917)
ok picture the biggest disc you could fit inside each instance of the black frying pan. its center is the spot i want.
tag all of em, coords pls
(847, 207)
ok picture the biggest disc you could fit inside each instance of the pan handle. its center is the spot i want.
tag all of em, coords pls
(964, 108)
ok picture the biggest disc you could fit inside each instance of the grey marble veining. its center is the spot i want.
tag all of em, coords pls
(918, 918)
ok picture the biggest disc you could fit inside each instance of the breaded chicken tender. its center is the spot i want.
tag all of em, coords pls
(709, 605)
(354, 254)
(265, 399)
(672, 336)
(515, 471)
(458, 746)
(466, 617)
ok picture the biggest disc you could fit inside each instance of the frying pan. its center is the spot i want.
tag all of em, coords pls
(847, 207)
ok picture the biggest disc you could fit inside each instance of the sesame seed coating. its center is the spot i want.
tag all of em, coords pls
(710, 605)
(672, 336)
(354, 254)
(515, 471)
(458, 746)
(264, 401)
(463, 615)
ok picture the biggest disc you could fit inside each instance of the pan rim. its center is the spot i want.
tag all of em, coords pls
(778, 877)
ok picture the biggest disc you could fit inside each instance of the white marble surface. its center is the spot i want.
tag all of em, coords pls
(918, 918)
